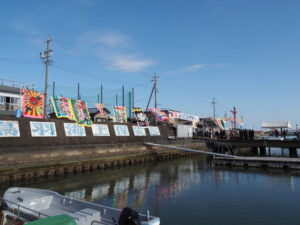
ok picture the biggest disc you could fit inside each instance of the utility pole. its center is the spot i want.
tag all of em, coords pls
(155, 79)
(53, 88)
(132, 97)
(101, 94)
(154, 90)
(129, 104)
(132, 91)
(123, 97)
(214, 107)
(78, 91)
(45, 56)
(234, 112)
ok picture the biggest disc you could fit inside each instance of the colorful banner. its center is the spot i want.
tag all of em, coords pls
(139, 131)
(141, 117)
(159, 115)
(154, 131)
(74, 130)
(62, 107)
(121, 130)
(120, 114)
(100, 107)
(9, 128)
(100, 130)
(42, 129)
(81, 113)
(33, 104)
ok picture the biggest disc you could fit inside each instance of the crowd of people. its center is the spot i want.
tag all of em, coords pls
(244, 134)
(278, 133)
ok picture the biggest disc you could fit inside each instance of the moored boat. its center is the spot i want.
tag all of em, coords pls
(33, 204)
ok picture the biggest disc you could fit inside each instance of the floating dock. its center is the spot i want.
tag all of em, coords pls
(262, 162)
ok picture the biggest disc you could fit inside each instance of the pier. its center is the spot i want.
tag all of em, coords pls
(257, 145)
(243, 161)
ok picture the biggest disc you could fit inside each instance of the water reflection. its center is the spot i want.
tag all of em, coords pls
(189, 191)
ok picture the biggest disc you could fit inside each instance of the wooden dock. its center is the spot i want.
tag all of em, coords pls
(262, 162)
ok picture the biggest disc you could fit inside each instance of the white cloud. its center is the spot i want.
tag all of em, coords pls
(111, 48)
(129, 63)
(105, 38)
(188, 69)
(194, 68)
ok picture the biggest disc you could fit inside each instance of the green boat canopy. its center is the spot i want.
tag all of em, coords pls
(54, 220)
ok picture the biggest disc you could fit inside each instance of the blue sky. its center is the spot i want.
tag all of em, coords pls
(243, 53)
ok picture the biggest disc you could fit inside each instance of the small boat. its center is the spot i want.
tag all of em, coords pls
(33, 204)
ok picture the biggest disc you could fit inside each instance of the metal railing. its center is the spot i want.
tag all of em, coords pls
(19, 207)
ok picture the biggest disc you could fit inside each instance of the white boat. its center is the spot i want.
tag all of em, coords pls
(33, 204)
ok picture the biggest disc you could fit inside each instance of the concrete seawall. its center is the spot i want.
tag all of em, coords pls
(26, 156)
(106, 156)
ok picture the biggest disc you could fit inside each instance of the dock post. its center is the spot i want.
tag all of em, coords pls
(293, 152)
(262, 151)
(255, 151)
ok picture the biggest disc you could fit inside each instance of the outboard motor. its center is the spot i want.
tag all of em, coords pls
(129, 216)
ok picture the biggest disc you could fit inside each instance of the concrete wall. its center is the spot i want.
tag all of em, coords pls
(26, 140)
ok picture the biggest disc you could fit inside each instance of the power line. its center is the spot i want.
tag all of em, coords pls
(18, 61)
(93, 75)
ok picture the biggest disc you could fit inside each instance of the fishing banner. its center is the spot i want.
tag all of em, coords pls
(62, 107)
(100, 107)
(120, 114)
(81, 113)
(33, 104)
(159, 115)
(141, 117)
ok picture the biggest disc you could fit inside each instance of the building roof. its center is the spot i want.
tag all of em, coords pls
(8, 89)
(277, 124)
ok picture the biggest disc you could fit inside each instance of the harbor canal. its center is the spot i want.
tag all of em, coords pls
(188, 191)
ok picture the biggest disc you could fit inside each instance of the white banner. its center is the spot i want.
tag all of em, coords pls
(74, 130)
(121, 130)
(139, 131)
(184, 116)
(100, 130)
(42, 129)
(154, 131)
(9, 128)
(173, 114)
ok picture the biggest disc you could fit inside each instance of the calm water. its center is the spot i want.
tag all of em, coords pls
(190, 191)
